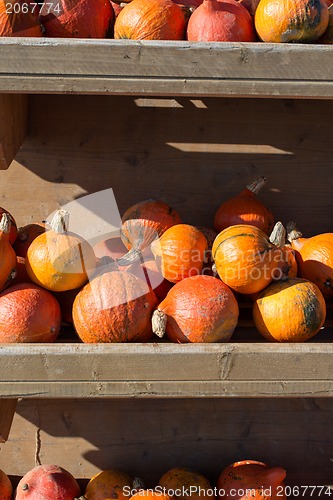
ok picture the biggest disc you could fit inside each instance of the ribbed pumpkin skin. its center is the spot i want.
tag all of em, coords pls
(108, 484)
(20, 24)
(200, 309)
(221, 21)
(77, 18)
(281, 21)
(28, 314)
(260, 480)
(180, 252)
(6, 488)
(60, 262)
(245, 259)
(145, 221)
(289, 311)
(151, 20)
(114, 307)
(182, 479)
(315, 261)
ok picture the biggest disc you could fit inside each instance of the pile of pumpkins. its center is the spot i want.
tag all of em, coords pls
(276, 21)
(245, 479)
(164, 277)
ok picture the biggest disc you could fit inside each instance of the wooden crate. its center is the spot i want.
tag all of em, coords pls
(191, 124)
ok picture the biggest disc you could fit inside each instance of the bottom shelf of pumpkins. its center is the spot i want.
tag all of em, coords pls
(171, 279)
(239, 481)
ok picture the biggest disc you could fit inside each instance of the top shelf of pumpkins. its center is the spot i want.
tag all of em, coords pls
(276, 21)
(164, 276)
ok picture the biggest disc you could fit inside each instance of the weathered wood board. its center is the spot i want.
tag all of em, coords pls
(13, 126)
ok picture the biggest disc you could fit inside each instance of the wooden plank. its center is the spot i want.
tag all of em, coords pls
(7, 412)
(165, 68)
(146, 438)
(13, 126)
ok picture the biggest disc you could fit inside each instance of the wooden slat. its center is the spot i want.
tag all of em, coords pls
(165, 68)
(7, 412)
(13, 125)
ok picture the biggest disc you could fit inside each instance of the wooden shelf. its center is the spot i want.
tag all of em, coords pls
(30, 65)
(166, 370)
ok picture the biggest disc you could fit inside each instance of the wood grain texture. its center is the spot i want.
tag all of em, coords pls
(13, 126)
(165, 68)
(7, 412)
(148, 437)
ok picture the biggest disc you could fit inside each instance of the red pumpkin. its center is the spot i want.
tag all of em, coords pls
(245, 208)
(151, 20)
(260, 481)
(197, 309)
(28, 313)
(114, 307)
(77, 18)
(19, 18)
(221, 21)
(26, 235)
(47, 482)
(6, 488)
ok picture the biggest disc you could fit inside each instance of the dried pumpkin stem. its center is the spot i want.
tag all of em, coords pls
(5, 223)
(292, 231)
(60, 221)
(158, 322)
(278, 235)
(256, 186)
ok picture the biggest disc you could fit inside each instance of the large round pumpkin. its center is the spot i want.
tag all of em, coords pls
(197, 309)
(18, 18)
(151, 20)
(293, 310)
(291, 20)
(28, 313)
(245, 259)
(114, 307)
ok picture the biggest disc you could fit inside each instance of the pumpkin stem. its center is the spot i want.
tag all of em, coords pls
(278, 235)
(132, 256)
(256, 186)
(138, 484)
(293, 232)
(158, 322)
(60, 221)
(5, 223)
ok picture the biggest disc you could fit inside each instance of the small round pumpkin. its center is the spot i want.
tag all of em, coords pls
(26, 235)
(197, 309)
(186, 480)
(58, 259)
(180, 252)
(281, 21)
(292, 310)
(6, 488)
(28, 313)
(142, 223)
(114, 307)
(258, 479)
(245, 259)
(109, 485)
(151, 20)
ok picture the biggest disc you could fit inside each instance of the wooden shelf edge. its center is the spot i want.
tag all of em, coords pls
(7, 412)
(13, 126)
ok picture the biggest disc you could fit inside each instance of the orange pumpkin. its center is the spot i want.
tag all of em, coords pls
(28, 313)
(7, 254)
(18, 18)
(143, 223)
(148, 272)
(251, 480)
(198, 309)
(245, 208)
(181, 479)
(315, 259)
(59, 260)
(150, 494)
(245, 259)
(26, 235)
(293, 310)
(114, 307)
(13, 226)
(6, 488)
(180, 252)
(287, 267)
(295, 236)
(109, 485)
(280, 21)
(151, 20)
